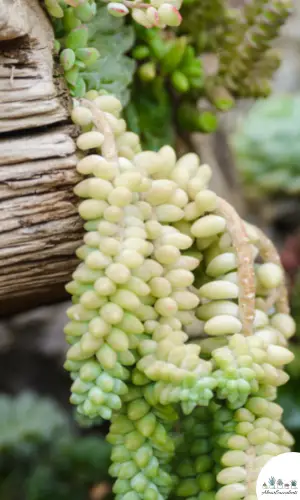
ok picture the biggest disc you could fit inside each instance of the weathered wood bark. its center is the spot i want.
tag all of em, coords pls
(39, 227)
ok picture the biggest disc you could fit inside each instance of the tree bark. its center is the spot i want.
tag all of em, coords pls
(39, 225)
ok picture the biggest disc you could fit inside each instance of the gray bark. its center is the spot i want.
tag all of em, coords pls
(39, 225)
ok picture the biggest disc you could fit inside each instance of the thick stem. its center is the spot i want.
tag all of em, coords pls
(269, 253)
(109, 148)
(244, 254)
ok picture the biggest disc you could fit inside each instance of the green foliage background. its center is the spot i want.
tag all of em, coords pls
(267, 146)
(42, 456)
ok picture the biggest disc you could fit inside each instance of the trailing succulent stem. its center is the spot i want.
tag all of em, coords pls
(160, 251)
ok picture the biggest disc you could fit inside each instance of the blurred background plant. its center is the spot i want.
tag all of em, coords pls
(267, 147)
(44, 456)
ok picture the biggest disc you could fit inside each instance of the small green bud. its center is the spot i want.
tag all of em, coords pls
(134, 440)
(114, 470)
(207, 122)
(120, 454)
(203, 463)
(72, 75)
(121, 424)
(139, 483)
(200, 446)
(67, 59)
(146, 425)
(187, 488)
(142, 456)
(90, 371)
(130, 324)
(105, 412)
(86, 11)
(70, 22)
(54, 8)
(77, 399)
(128, 470)
(88, 55)
(180, 81)
(151, 494)
(121, 486)
(77, 38)
(140, 52)
(80, 387)
(194, 70)
(76, 328)
(186, 468)
(120, 388)
(79, 89)
(105, 382)
(151, 470)
(96, 396)
(206, 481)
(89, 409)
(106, 357)
(147, 71)
(137, 409)
(114, 402)
(73, 366)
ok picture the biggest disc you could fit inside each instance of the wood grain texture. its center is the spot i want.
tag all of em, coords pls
(39, 225)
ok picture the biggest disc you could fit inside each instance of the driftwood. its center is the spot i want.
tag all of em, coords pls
(39, 227)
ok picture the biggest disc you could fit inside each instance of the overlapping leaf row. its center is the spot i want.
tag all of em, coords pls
(221, 452)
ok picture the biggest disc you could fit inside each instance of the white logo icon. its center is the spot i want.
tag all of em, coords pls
(280, 476)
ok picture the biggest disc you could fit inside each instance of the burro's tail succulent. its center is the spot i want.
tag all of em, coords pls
(162, 250)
